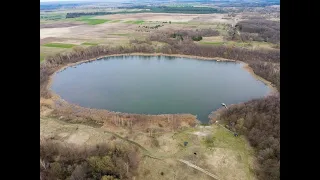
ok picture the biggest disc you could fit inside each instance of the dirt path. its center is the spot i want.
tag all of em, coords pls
(198, 168)
(147, 153)
(224, 162)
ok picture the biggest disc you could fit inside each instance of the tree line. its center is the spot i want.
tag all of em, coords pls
(78, 14)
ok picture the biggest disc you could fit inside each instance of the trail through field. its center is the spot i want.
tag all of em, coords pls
(149, 154)
(144, 150)
(198, 168)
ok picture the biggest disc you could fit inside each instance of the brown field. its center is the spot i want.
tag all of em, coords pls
(225, 160)
(119, 33)
(60, 24)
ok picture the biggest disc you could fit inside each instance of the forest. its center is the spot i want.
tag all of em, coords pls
(102, 161)
(259, 121)
(257, 30)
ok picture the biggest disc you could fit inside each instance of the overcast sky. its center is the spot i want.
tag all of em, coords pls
(60, 0)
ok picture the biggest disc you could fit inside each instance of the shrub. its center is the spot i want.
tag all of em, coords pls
(197, 38)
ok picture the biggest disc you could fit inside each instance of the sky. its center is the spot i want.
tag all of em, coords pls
(60, 0)
(72, 0)
(81, 0)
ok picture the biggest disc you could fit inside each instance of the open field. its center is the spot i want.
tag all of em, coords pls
(119, 29)
(59, 45)
(226, 156)
(211, 18)
(41, 57)
(89, 44)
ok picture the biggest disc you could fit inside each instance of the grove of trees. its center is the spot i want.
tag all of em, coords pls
(256, 30)
(259, 121)
(104, 161)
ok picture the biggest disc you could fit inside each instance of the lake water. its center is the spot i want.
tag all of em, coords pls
(157, 85)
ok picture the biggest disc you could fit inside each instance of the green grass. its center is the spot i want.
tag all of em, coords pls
(89, 44)
(59, 45)
(184, 135)
(135, 22)
(82, 18)
(138, 22)
(225, 139)
(129, 22)
(211, 43)
(209, 141)
(52, 16)
(90, 21)
(41, 57)
(115, 21)
(95, 21)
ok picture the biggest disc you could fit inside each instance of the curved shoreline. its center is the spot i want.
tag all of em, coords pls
(245, 67)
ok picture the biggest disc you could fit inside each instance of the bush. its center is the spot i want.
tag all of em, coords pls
(209, 141)
(197, 38)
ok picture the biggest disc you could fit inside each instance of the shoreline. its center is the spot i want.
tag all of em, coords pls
(218, 59)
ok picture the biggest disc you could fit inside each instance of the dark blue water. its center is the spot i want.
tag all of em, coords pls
(157, 85)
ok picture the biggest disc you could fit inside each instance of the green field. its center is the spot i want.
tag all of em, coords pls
(90, 21)
(89, 44)
(52, 16)
(138, 22)
(211, 43)
(41, 57)
(135, 22)
(95, 21)
(59, 45)
(115, 21)
(222, 138)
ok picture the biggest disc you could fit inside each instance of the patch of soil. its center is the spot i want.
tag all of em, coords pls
(48, 40)
(59, 25)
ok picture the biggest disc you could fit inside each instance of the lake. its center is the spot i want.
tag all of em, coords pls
(157, 85)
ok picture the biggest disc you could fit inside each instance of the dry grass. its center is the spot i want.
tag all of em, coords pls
(230, 157)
